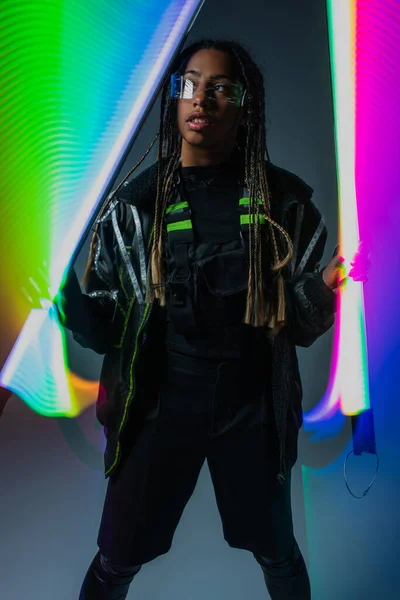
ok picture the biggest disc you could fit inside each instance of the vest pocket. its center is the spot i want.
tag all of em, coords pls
(221, 288)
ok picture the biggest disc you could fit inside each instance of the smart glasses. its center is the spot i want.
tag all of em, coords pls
(186, 87)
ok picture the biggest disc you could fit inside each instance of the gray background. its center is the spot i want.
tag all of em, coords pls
(52, 486)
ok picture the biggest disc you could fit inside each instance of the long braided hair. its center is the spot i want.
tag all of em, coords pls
(259, 310)
(262, 308)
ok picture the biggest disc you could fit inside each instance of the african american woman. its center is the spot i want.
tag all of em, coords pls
(201, 281)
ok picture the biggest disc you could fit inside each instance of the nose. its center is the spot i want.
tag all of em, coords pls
(201, 97)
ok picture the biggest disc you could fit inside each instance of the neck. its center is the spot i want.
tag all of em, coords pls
(203, 157)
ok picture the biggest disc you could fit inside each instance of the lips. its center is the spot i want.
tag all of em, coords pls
(200, 116)
(198, 121)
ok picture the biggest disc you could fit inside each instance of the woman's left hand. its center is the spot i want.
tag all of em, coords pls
(334, 274)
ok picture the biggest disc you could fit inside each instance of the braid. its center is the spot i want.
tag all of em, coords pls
(261, 308)
(157, 264)
(95, 237)
(168, 149)
(258, 311)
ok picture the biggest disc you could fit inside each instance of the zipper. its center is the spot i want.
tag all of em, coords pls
(132, 390)
(132, 386)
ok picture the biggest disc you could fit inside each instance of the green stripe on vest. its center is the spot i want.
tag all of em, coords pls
(179, 226)
(175, 207)
(245, 219)
(245, 201)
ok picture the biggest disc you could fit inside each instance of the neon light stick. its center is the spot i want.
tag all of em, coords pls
(77, 82)
(349, 373)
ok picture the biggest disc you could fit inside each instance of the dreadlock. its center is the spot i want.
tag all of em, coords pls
(259, 310)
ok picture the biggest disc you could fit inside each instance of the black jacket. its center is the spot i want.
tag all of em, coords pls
(113, 319)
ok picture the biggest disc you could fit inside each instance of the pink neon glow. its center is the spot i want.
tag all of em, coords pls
(377, 177)
(377, 159)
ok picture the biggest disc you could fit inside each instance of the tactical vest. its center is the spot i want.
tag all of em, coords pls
(206, 288)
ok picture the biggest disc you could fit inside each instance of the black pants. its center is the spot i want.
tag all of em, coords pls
(215, 411)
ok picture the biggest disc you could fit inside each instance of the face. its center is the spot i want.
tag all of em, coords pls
(209, 69)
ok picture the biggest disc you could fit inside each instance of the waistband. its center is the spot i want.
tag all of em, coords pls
(202, 371)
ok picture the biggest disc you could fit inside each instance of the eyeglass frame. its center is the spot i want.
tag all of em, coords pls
(177, 82)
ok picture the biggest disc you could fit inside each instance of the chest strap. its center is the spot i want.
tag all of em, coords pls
(179, 236)
(179, 223)
(245, 217)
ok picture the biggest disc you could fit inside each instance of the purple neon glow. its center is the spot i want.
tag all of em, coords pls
(377, 181)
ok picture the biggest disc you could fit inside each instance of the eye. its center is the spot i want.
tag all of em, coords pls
(221, 87)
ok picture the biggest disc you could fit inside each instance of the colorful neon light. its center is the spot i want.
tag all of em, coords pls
(76, 81)
(348, 385)
(59, 156)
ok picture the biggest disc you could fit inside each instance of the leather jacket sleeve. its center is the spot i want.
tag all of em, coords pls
(310, 303)
(311, 307)
(90, 315)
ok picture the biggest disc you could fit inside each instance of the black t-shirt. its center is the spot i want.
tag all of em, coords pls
(213, 195)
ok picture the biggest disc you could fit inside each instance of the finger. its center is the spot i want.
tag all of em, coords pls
(341, 270)
(340, 285)
(339, 262)
(336, 264)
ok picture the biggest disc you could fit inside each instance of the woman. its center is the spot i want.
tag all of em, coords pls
(202, 278)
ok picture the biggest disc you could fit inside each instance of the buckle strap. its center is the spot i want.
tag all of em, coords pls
(247, 218)
(177, 207)
(179, 223)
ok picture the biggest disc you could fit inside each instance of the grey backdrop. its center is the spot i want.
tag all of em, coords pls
(52, 470)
